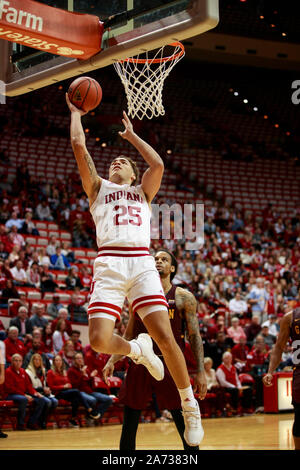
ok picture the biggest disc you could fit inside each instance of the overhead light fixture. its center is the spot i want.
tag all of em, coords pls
(255, 108)
(245, 100)
(236, 93)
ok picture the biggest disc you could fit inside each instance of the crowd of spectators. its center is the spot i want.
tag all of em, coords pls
(243, 278)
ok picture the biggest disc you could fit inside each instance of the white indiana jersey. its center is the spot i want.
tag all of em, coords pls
(121, 215)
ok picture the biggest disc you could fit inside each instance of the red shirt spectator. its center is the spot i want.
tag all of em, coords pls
(58, 381)
(95, 361)
(17, 382)
(13, 345)
(239, 356)
(258, 354)
(80, 376)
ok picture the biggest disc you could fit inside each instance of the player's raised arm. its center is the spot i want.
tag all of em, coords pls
(91, 181)
(152, 177)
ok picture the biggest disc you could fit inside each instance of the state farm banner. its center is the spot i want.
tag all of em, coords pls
(50, 29)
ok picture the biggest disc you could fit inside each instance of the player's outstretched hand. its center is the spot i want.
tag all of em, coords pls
(267, 379)
(107, 371)
(128, 131)
(200, 385)
(73, 108)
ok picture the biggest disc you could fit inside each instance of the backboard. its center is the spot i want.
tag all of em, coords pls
(130, 27)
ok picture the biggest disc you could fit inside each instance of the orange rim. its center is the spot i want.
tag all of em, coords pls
(158, 60)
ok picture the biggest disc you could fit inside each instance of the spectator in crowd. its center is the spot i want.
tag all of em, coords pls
(269, 339)
(68, 253)
(67, 353)
(14, 255)
(210, 374)
(240, 353)
(9, 292)
(76, 341)
(85, 278)
(29, 227)
(2, 377)
(19, 389)
(252, 329)
(36, 334)
(37, 318)
(73, 280)
(43, 211)
(95, 361)
(228, 379)
(59, 261)
(76, 310)
(217, 349)
(48, 340)
(38, 375)
(55, 306)
(14, 220)
(59, 383)
(16, 237)
(13, 345)
(19, 275)
(47, 280)
(36, 348)
(33, 275)
(62, 313)
(237, 306)
(53, 244)
(43, 258)
(3, 251)
(22, 322)
(273, 324)
(82, 379)
(60, 336)
(258, 300)
(235, 331)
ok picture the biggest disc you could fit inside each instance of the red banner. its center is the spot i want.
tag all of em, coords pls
(50, 29)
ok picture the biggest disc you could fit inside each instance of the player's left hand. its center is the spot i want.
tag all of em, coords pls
(128, 131)
(200, 385)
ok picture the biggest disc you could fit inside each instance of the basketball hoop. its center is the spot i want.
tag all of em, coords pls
(143, 79)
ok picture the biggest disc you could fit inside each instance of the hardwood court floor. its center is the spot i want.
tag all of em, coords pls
(257, 432)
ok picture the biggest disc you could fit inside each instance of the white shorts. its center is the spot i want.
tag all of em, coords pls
(118, 277)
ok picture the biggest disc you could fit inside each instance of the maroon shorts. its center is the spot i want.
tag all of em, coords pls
(296, 386)
(138, 387)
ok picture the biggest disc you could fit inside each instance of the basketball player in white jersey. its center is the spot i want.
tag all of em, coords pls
(125, 268)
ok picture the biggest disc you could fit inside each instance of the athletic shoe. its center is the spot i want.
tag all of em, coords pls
(2, 435)
(73, 423)
(94, 414)
(148, 358)
(193, 433)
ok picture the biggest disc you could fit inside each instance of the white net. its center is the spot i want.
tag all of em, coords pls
(143, 79)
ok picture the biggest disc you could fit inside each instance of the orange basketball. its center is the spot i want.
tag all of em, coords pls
(85, 93)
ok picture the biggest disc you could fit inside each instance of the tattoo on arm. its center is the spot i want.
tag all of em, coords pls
(190, 306)
(90, 164)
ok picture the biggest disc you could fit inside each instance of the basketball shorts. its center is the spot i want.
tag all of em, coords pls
(119, 276)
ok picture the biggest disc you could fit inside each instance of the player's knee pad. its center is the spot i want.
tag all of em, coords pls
(296, 425)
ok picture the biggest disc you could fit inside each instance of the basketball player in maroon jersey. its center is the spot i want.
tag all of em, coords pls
(124, 267)
(289, 328)
(138, 385)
